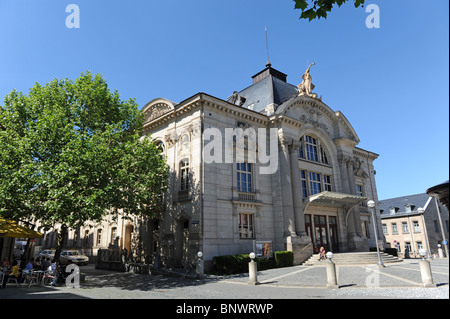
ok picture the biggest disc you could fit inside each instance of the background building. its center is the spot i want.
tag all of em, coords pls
(409, 229)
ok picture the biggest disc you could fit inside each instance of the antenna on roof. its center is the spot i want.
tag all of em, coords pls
(268, 64)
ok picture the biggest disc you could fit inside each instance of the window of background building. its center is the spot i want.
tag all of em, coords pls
(419, 245)
(246, 226)
(416, 226)
(385, 229)
(405, 227)
(394, 228)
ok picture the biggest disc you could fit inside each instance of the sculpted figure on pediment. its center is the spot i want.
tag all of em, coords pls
(306, 87)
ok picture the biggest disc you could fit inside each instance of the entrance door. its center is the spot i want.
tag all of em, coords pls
(320, 233)
(334, 243)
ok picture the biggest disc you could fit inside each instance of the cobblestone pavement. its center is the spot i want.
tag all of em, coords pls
(398, 280)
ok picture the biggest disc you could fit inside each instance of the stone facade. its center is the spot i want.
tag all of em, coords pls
(218, 214)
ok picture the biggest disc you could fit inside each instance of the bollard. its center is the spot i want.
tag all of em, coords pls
(425, 272)
(199, 269)
(331, 272)
(252, 271)
(440, 252)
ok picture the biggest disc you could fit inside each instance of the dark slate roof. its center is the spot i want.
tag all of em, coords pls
(418, 200)
(269, 86)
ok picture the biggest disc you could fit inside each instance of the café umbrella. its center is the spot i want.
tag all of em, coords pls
(10, 228)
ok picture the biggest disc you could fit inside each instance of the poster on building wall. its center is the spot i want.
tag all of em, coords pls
(263, 249)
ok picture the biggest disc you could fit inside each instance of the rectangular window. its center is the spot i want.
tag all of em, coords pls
(99, 237)
(244, 177)
(314, 183)
(301, 154)
(304, 185)
(327, 182)
(385, 230)
(184, 175)
(86, 238)
(408, 246)
(419, 245)
(113, 235)
(405, 227)
(416, 227)
(246, 227)
(359, 191)
(394, 228)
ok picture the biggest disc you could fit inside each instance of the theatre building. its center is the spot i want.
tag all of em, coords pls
(310, 192)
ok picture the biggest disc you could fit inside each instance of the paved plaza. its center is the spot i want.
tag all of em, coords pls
(397, 281)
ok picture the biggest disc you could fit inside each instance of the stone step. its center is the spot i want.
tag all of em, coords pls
(358, 258)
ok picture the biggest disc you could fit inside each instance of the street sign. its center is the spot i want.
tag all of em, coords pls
(444, 242)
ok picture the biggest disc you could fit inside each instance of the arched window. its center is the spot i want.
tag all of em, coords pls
(315, 166)
(311, 149)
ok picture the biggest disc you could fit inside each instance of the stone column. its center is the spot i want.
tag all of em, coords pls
(352, 185)
(286, 187)
(297, 190)
(346, 190)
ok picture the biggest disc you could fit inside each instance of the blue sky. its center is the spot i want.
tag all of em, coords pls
(392, 83)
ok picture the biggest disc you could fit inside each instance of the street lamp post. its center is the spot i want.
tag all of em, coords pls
(371, 204)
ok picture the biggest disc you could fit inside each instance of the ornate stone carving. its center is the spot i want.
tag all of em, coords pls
(357, 169)
(156, 111)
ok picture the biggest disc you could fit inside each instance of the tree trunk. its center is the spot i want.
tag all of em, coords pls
(60, 241)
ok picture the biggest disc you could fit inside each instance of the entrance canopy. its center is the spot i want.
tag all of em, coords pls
(332, 199)
(9, 228)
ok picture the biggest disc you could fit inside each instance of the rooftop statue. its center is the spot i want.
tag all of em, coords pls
(306, 87)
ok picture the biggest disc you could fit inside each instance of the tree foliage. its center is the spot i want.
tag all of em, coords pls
(312, 9)
(71, 152)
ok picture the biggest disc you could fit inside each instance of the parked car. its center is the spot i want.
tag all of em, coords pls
(75, 256)
(47, 253)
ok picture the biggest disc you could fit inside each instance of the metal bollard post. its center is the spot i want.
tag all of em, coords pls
(252, 271)
(199, 270)
(331, 272)
(425, 270)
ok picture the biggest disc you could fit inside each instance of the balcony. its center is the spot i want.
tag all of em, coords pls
(246, 196)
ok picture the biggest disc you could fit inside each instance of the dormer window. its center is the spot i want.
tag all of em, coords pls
(393, 210)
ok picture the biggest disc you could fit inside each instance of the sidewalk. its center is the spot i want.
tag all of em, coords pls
(397, 280)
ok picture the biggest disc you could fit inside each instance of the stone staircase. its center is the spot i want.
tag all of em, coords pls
(359, 258)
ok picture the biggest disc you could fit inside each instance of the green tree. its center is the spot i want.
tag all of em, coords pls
(312, 9)
(72, 152)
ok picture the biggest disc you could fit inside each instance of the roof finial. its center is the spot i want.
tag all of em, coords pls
(268, 64)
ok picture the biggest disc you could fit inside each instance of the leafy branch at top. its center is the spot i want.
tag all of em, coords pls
(312, 9)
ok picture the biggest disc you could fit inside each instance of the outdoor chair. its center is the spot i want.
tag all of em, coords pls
(48, 276)
(30, 277)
